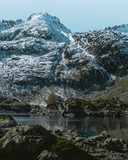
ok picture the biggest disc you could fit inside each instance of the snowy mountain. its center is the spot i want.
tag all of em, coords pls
(40, 55)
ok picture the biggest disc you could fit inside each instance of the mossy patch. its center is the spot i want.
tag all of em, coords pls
(67, 151)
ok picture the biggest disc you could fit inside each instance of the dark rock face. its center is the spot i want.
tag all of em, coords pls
(110, 49)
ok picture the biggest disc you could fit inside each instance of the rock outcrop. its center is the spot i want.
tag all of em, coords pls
(111, 108)
(102, 146)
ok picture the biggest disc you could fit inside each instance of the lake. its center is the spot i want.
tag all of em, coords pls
(87, 126)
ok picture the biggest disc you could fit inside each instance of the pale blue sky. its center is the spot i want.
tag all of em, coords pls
(77, 15)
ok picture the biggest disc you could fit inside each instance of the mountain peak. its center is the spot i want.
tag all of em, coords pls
(51, 25)
(47, 19)
(40, 25)
(40, 16)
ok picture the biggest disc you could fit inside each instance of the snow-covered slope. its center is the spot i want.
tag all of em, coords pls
(40, 55)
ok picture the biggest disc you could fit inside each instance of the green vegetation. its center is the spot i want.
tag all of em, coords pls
(52, 98)
(119, 90)
(67, 151)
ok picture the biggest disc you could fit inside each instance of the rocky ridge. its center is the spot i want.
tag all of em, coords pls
(40, 55)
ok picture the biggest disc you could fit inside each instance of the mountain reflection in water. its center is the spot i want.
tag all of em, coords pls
(87, 126)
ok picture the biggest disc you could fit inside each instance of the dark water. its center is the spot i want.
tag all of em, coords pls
(87, 126)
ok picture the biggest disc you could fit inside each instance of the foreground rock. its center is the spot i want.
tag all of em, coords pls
(102, 146)
(6, 122)
(36, 143)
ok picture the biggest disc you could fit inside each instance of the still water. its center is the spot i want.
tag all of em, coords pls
(88, 126)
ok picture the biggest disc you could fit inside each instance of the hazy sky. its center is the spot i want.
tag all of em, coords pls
(77, 15)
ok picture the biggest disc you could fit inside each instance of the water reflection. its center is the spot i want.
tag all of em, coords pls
(87, 126)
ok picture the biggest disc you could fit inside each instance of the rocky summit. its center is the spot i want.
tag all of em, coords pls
(40, 55)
